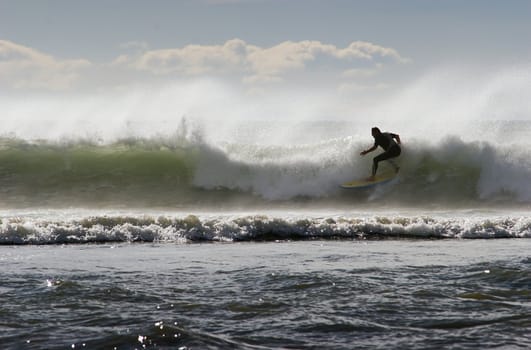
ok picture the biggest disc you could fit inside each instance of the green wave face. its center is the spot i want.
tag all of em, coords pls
(45, 173)
(194, 174)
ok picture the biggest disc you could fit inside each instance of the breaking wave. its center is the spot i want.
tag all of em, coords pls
(232, 228)
(181, 171)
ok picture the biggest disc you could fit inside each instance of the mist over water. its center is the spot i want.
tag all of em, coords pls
(465, 140)
(440, 103)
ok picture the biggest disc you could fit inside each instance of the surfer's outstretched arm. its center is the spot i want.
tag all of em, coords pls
(362, 153)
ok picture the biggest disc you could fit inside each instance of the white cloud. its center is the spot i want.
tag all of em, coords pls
(24, 67)
(253, 63)
(269, 64)
(366, 50)
(189, 60)
(357, 73)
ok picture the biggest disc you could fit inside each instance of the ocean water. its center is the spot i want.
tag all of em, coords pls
(319, 294)
(124, 228)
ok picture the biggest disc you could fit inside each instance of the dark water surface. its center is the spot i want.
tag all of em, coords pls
(351, 294)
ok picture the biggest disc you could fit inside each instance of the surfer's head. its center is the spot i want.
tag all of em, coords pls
(375, 131)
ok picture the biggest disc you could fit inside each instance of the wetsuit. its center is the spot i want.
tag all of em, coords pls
(391, 148)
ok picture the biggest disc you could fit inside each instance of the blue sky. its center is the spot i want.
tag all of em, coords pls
(68, 45)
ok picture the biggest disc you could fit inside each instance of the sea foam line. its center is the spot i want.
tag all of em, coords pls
(191, 228)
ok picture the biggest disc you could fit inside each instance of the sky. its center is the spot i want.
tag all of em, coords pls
(345, 45)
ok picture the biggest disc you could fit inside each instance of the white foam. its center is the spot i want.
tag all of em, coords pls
(242, 227)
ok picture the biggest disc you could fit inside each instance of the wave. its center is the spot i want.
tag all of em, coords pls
(183, 171)
(226, 228)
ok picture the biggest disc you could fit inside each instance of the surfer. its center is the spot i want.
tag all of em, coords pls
(386, 140)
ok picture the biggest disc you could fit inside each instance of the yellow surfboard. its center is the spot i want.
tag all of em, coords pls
(364, 183)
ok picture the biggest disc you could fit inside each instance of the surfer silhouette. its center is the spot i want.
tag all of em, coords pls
(386, 140)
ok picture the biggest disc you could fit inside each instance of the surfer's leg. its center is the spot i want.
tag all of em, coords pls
(375, 161)
(391, 153)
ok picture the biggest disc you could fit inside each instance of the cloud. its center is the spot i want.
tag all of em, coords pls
(253, 63)
(24, 67)
(269, 64)
(189, 60)
(362, 73)
(366, 50)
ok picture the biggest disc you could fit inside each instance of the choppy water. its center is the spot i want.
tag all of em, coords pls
(400, 294)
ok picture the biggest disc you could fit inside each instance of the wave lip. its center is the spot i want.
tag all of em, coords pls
(191, 228)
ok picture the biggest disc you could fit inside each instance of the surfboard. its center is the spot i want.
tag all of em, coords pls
(378, 180)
